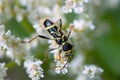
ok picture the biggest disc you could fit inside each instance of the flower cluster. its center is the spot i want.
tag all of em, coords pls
(82, 24)
(61, 63)
(11, 46)
(92, 72)
(76, 5)
(38, 9)
(61, 66)
(85, 72)
(33, 68)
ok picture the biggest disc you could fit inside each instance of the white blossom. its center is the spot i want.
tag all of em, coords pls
(76, 5)
(61, 67)
(92, 71)
(11, 46)
(15, 49)
(3, 70)
(68, 7)
(33, 68)
(83, 24)
(39, 28)
(61, 62)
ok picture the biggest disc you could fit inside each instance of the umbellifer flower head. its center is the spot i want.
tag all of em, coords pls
(15, 49)
(61, 63)
(92, 71)
(76, 5)
(11, 46)
(33, 68)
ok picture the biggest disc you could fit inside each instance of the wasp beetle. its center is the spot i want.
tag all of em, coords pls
(54, 29)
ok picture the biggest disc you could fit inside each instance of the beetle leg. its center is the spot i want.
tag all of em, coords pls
(41, 36)
(71, 28)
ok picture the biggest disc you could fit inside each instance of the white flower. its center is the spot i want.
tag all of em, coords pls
(15, 49)
(68, 7)
(40, 29)
(92, 71)
(41, 9)
(61, 67)
(61, 62)
(23, 2)
(11, 46)
(83, 24)
(36, 26)
(33, 68)
(3, 72)
(76, 5)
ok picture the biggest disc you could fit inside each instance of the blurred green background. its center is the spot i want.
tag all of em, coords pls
(108, 45)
